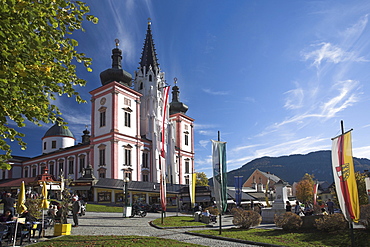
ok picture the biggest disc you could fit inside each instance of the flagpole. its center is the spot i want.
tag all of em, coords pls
(350, 220)
(220, 226)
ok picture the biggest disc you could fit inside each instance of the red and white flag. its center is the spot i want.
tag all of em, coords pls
(315, 188)
(162, 157)
(164, 121)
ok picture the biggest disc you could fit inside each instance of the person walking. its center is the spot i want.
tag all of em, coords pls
(76, 209)
(8, 203)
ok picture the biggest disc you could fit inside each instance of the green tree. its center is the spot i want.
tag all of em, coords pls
(37, 63)
(361, 188)
(304, 188)
(202, 179)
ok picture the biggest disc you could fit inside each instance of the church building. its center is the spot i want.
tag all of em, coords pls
(132, 124)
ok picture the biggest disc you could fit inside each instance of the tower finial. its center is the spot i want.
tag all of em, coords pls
(117, 42)
(149, 21)
(175, 80)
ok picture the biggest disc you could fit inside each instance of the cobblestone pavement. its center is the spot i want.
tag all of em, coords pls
(114, 224)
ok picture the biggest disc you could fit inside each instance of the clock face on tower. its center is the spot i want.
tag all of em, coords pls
(102, 101)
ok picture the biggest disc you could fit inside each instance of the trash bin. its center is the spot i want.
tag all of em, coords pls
(197, 216)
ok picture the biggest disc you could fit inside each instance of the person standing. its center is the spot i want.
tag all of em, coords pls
(297, 208)
(8, 203)
(330, 206)
(76, 209)
(288, 206)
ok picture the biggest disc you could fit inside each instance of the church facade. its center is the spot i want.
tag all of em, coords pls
(132, 124)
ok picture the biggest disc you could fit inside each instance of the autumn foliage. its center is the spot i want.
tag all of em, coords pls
(246, 218)
(331, 222)
(288, 221)
(304, 189)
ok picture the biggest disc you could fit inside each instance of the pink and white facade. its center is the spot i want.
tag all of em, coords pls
(126, 130)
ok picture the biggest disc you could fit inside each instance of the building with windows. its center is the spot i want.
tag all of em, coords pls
(131, 123)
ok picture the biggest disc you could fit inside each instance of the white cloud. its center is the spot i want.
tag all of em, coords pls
(250, 99)
(204, 143)
(299, 146)
(209, 91)
(241, 148)
(344, 99)
(361, 152)
(206, 132)
(203, 126)
(330, 53)
(294, 99)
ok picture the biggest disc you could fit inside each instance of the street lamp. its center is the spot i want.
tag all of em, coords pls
(126, 180)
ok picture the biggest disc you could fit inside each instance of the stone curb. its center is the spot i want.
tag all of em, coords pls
(177, 227)
(233, 240)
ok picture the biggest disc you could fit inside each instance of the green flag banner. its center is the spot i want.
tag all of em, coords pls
(219, 174)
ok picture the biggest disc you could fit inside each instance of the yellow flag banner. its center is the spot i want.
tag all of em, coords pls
(344, 177)
(192, 183)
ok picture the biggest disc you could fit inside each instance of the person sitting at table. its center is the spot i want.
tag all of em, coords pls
(7, 216)
(206, 213)
(29, 218)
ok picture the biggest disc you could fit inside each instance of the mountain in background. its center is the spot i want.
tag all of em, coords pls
(292, 168)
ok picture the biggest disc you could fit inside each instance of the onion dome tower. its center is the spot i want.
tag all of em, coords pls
(116, 73)
(57, 137)
(176, 106)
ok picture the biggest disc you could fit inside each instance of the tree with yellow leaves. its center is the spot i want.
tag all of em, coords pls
(304, 189)
(202, 179)
(36, 63)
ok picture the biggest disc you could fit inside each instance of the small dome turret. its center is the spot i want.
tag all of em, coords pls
(57, 137)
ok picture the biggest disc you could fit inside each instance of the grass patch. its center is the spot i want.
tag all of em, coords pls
(177, 221)
(294, 239)
(136, 241)
(103, 208)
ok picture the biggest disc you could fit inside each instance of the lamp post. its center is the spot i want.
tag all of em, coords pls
(126, 180)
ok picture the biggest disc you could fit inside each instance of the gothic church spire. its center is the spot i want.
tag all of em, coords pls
(149, 56)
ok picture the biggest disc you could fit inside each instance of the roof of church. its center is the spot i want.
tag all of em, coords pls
(58, 130)
(149, 56)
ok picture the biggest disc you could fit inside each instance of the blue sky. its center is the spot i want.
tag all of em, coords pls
(274, 77)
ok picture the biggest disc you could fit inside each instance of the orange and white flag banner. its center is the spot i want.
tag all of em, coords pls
(344, 177)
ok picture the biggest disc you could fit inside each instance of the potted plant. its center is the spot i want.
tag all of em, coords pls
(63, 228)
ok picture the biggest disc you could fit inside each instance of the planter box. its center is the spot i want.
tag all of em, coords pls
(62, 229)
